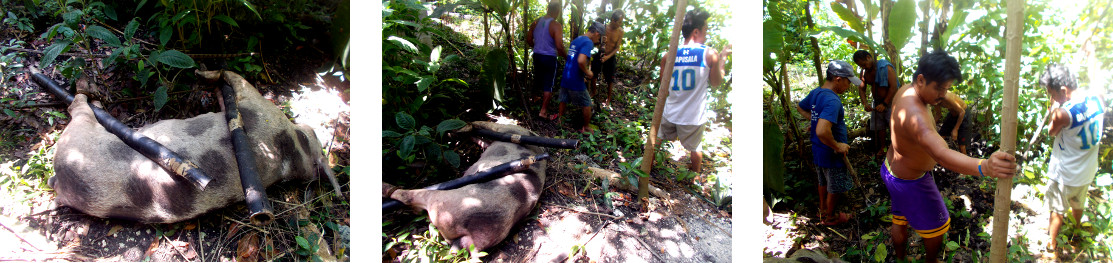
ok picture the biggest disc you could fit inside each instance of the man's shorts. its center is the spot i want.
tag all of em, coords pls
(879, 121)
(835, 179)
(689, 135)
(917, 203)
(607, 67)
(544, 71)
(964, 129)
(578, 98)
(1059, 196)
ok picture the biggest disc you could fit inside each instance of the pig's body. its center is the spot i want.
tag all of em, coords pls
(96, 173)
(483, 214)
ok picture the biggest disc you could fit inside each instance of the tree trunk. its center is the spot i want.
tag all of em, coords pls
(786, 95)
(924, 33)
(577, 19)
(890, 49)
(486, 28)
(815, 44)
(662, 93)
(941, 26)
(1014, 31)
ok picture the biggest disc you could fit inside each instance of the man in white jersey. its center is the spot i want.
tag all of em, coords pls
(696, 69)
(1076, 123)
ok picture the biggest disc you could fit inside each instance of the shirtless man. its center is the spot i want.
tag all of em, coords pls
(915, 150)
(957, 123)
(881, 76)
(606, 60)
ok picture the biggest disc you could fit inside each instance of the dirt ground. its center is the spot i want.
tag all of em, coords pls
(35, 229)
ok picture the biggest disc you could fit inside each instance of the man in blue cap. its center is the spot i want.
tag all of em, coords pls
(577, 70)
(827, 127)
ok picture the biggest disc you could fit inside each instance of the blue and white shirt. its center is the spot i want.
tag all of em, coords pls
(687, 100)
(1074, 159)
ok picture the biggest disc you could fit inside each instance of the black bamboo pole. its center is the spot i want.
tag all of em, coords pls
(164, 157)
(253, 191)
(479, 177)
(530, 140)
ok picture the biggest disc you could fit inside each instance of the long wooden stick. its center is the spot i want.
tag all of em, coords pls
(1013, 36)
(662, 93)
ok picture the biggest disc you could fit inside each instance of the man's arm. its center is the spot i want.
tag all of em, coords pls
(807, 115)
(1059, 120)
(556, 31)
(892, 90)
(961, 117)
(999, 165)
(529, 34)
(862, 91)
(823, 131)
(717, 61)
(582, 59)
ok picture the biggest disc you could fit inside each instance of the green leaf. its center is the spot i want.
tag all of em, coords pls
(958, 19)
(391, 134)
(951, 245)
(773, 161)
(110, 12)
(176, 59)
(500, 7)
(448, 125)
(901, 20)
(880, 253)
(160, 97)
(871, 9)
(848, 16)
(494, 67)
(129, 30)
(423, 84)
(405, 121)
(435, 55)
(772, 43)
(252, 8)
(103, 34)
(403, 43)
(227, 20)
(164, 35)
(71, 18)
(452, 158)
(855, 36)
(304, 244)
(9, 113)
(407, 146)
(53, 51)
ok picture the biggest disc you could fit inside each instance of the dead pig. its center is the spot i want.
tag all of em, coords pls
(98, 174)
(482, 214)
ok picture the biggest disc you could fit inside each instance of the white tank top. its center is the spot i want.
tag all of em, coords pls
(687, 101)
(1074, 159)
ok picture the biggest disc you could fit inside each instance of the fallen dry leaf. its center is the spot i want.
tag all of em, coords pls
(112, 232)
(151, 249)
(247, 248)
(190, 226)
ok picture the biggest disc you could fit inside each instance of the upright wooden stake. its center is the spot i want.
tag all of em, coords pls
(1013, 33)
(662, 93)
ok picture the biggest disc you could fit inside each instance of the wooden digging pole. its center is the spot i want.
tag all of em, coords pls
(1014, 31)
(662, 93)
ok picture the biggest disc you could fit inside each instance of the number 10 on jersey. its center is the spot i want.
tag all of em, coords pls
(685, 78)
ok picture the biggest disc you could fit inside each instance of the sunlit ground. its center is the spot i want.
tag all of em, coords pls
(318, 106)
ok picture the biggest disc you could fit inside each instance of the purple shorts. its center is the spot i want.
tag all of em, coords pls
(917, 203)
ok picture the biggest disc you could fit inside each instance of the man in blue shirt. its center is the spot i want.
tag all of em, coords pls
(577, 71)
(823, 108)
(880, 75)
